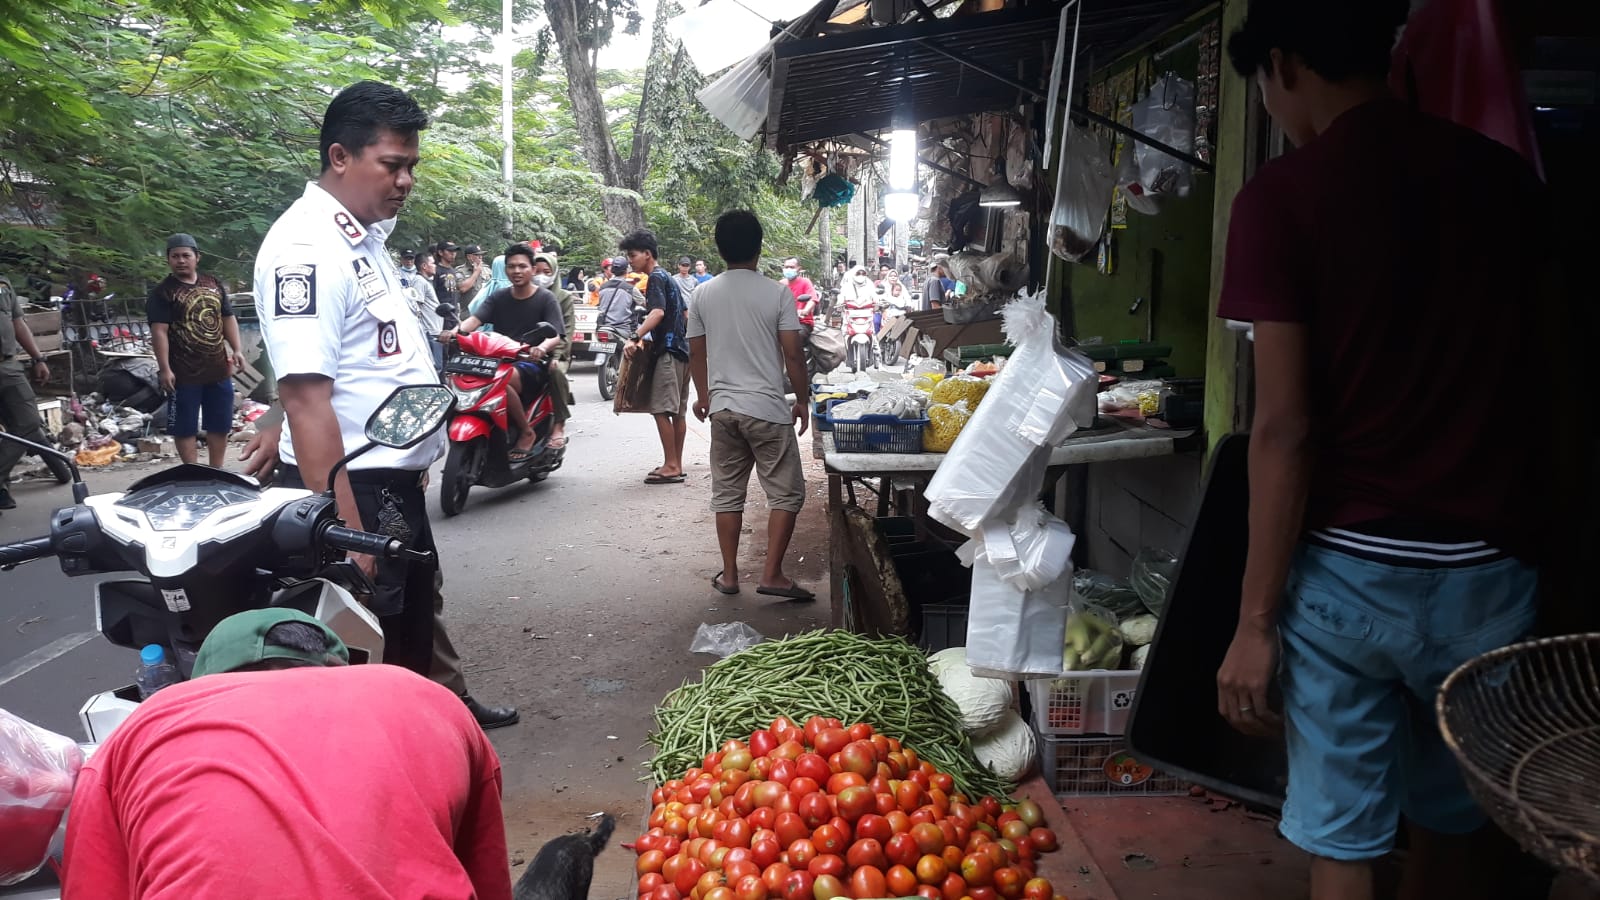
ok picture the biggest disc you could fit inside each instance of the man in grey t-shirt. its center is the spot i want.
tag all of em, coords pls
(744, 337)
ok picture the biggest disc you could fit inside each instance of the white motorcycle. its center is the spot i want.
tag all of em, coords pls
(205, 544)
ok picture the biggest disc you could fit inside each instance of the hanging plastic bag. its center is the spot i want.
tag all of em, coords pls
(1013, 633)
(1079, 214)
(827, 347)
(1167, 115)
(1042, 395)
(37, 771)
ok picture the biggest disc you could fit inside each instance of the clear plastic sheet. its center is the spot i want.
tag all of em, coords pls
(724, 639)
(37, 771)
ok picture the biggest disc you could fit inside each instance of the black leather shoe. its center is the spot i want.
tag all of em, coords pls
(5, 499)
(491, 716)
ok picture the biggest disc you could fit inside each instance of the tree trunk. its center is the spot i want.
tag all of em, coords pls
(622, 211)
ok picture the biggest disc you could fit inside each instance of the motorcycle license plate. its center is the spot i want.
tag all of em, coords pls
(467, 364)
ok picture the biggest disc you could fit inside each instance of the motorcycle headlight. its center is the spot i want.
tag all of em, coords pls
(495, 404)
(466, 399)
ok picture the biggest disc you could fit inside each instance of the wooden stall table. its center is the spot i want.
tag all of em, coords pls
(899, 480)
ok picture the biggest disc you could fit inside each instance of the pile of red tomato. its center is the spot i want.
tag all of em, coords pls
(825, 811)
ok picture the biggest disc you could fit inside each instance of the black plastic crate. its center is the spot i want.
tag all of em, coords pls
(944, 625)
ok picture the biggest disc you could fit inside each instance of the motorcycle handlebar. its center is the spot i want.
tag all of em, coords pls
(25, 551)
(353, 541)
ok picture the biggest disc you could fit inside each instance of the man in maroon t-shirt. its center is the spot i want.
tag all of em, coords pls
(1389, 521)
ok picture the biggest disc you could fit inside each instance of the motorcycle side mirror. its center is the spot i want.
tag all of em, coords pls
(406, 418)
(542, 332)
(80, 490)
(444, 309)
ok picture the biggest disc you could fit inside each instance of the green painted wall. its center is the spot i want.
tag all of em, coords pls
(1179, 237)
(1171, 252)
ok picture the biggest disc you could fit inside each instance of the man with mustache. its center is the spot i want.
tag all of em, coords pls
(342, 337)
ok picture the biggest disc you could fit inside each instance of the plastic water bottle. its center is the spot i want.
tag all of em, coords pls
(155, 672)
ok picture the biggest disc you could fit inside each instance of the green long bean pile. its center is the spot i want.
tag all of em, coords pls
(884, 682)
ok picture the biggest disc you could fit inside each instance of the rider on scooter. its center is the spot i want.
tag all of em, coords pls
(515, 311)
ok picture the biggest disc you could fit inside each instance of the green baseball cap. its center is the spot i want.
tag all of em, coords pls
(241, 639)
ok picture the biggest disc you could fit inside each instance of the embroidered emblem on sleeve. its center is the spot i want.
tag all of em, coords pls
(296, 290)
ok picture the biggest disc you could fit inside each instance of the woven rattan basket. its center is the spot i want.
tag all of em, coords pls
(1524, 721)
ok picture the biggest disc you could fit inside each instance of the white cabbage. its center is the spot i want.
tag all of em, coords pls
(983, 702)
(1008, 749)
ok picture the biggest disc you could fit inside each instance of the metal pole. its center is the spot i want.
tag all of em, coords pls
(507, 49)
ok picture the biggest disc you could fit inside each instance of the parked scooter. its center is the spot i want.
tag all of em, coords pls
(477, 370)
(206, 543)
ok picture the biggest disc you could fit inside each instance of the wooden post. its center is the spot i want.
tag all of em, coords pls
(1238, 124)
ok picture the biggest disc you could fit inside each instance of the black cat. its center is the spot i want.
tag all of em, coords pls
(565, 866)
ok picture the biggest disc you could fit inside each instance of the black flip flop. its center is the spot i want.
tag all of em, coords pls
(665, 479)
(716, 582)
(518, 455)
(792, 592)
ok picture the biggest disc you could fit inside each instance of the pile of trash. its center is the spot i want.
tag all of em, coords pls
(102, 432)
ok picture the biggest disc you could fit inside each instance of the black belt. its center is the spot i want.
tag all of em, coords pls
(395, 478)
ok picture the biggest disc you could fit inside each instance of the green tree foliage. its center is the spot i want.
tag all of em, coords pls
(124, 120)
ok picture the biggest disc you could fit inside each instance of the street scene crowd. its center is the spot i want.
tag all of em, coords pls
(1370, 536)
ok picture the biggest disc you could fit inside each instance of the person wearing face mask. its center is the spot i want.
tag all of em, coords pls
(805, 296)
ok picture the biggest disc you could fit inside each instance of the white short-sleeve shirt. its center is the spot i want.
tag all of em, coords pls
(331, 303)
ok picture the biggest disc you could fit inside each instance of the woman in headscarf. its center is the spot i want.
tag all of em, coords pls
(497, 280)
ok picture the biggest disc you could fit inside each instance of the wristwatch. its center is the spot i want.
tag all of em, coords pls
(35, 360)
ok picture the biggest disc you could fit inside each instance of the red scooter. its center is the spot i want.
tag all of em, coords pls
(477, 369)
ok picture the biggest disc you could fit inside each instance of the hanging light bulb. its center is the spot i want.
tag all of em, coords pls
(903, 159)
(901, 206)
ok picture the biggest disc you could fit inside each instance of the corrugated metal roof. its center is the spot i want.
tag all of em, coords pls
(836, 85)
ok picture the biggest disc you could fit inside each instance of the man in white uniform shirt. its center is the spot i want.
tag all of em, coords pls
(342, 337)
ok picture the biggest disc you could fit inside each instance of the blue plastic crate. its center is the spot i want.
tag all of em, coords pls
(876, 434)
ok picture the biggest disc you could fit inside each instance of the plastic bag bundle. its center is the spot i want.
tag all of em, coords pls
(1014, 633)
(1032, 405)
(37, 771)
(961, 388)
(945, 423)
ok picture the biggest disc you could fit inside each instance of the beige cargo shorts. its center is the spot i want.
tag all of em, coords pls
(740, 443)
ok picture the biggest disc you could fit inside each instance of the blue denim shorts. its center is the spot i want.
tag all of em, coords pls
(194, 405)
(1366, 646)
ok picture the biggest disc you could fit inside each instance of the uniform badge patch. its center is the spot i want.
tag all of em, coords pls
(388, 339)
(296, 291)
(348, 226)
(368, 279)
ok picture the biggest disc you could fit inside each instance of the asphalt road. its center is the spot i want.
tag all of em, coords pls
(574, 599)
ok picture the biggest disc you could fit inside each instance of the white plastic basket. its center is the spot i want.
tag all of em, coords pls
(1095, 702)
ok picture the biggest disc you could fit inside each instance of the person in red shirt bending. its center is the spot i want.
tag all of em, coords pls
(1392, 512)
(281, 771)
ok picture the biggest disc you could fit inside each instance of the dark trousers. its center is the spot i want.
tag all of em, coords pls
(391, 502)
(19, 412)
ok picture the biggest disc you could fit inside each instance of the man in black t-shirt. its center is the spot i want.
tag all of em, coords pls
(446, 280)
(663, 326)
(515, 311)
(196, 342)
